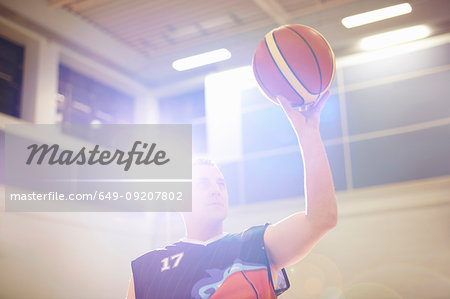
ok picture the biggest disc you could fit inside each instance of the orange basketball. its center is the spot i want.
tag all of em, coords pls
(296, 62)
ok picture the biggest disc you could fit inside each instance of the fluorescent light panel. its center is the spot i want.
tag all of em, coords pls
(201, 59)
(391, 38)
(376, 15)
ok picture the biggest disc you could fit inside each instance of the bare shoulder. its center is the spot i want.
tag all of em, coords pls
(130, 293)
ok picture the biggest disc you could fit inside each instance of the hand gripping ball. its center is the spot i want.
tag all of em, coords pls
(296, 62)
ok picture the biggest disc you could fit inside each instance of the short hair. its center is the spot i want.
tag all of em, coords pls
(196, 161)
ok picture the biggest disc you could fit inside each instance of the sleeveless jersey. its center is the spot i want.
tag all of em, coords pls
(234, 266)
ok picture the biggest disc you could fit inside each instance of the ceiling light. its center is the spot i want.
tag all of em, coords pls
(376, 15)
(387, 39)
(201, 59)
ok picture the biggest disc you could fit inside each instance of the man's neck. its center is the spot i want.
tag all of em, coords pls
(203, 232)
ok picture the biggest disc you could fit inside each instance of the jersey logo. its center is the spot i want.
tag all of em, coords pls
(205, 287)
(174, 258)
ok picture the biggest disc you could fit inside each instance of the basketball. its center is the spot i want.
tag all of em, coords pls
(296, 62)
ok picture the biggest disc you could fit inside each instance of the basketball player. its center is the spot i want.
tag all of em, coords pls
(211, 264)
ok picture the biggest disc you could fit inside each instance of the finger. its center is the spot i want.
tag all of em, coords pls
(307, 107)
(321, 102)
(285, 104)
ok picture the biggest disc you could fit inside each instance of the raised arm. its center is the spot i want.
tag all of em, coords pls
(289, 240)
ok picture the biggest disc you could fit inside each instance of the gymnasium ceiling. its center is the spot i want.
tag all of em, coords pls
(165, 30)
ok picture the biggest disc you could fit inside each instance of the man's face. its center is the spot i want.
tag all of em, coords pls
(209, 193)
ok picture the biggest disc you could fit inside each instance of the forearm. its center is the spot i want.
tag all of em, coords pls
(321, 206)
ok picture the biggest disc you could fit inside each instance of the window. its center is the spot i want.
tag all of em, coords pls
(11, 68)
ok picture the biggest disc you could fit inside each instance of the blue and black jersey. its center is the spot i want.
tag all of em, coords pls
(231, 266)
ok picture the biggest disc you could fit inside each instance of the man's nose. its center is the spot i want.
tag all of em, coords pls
(215, 189)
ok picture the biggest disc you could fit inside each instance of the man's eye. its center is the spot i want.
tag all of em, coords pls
(202, 185)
